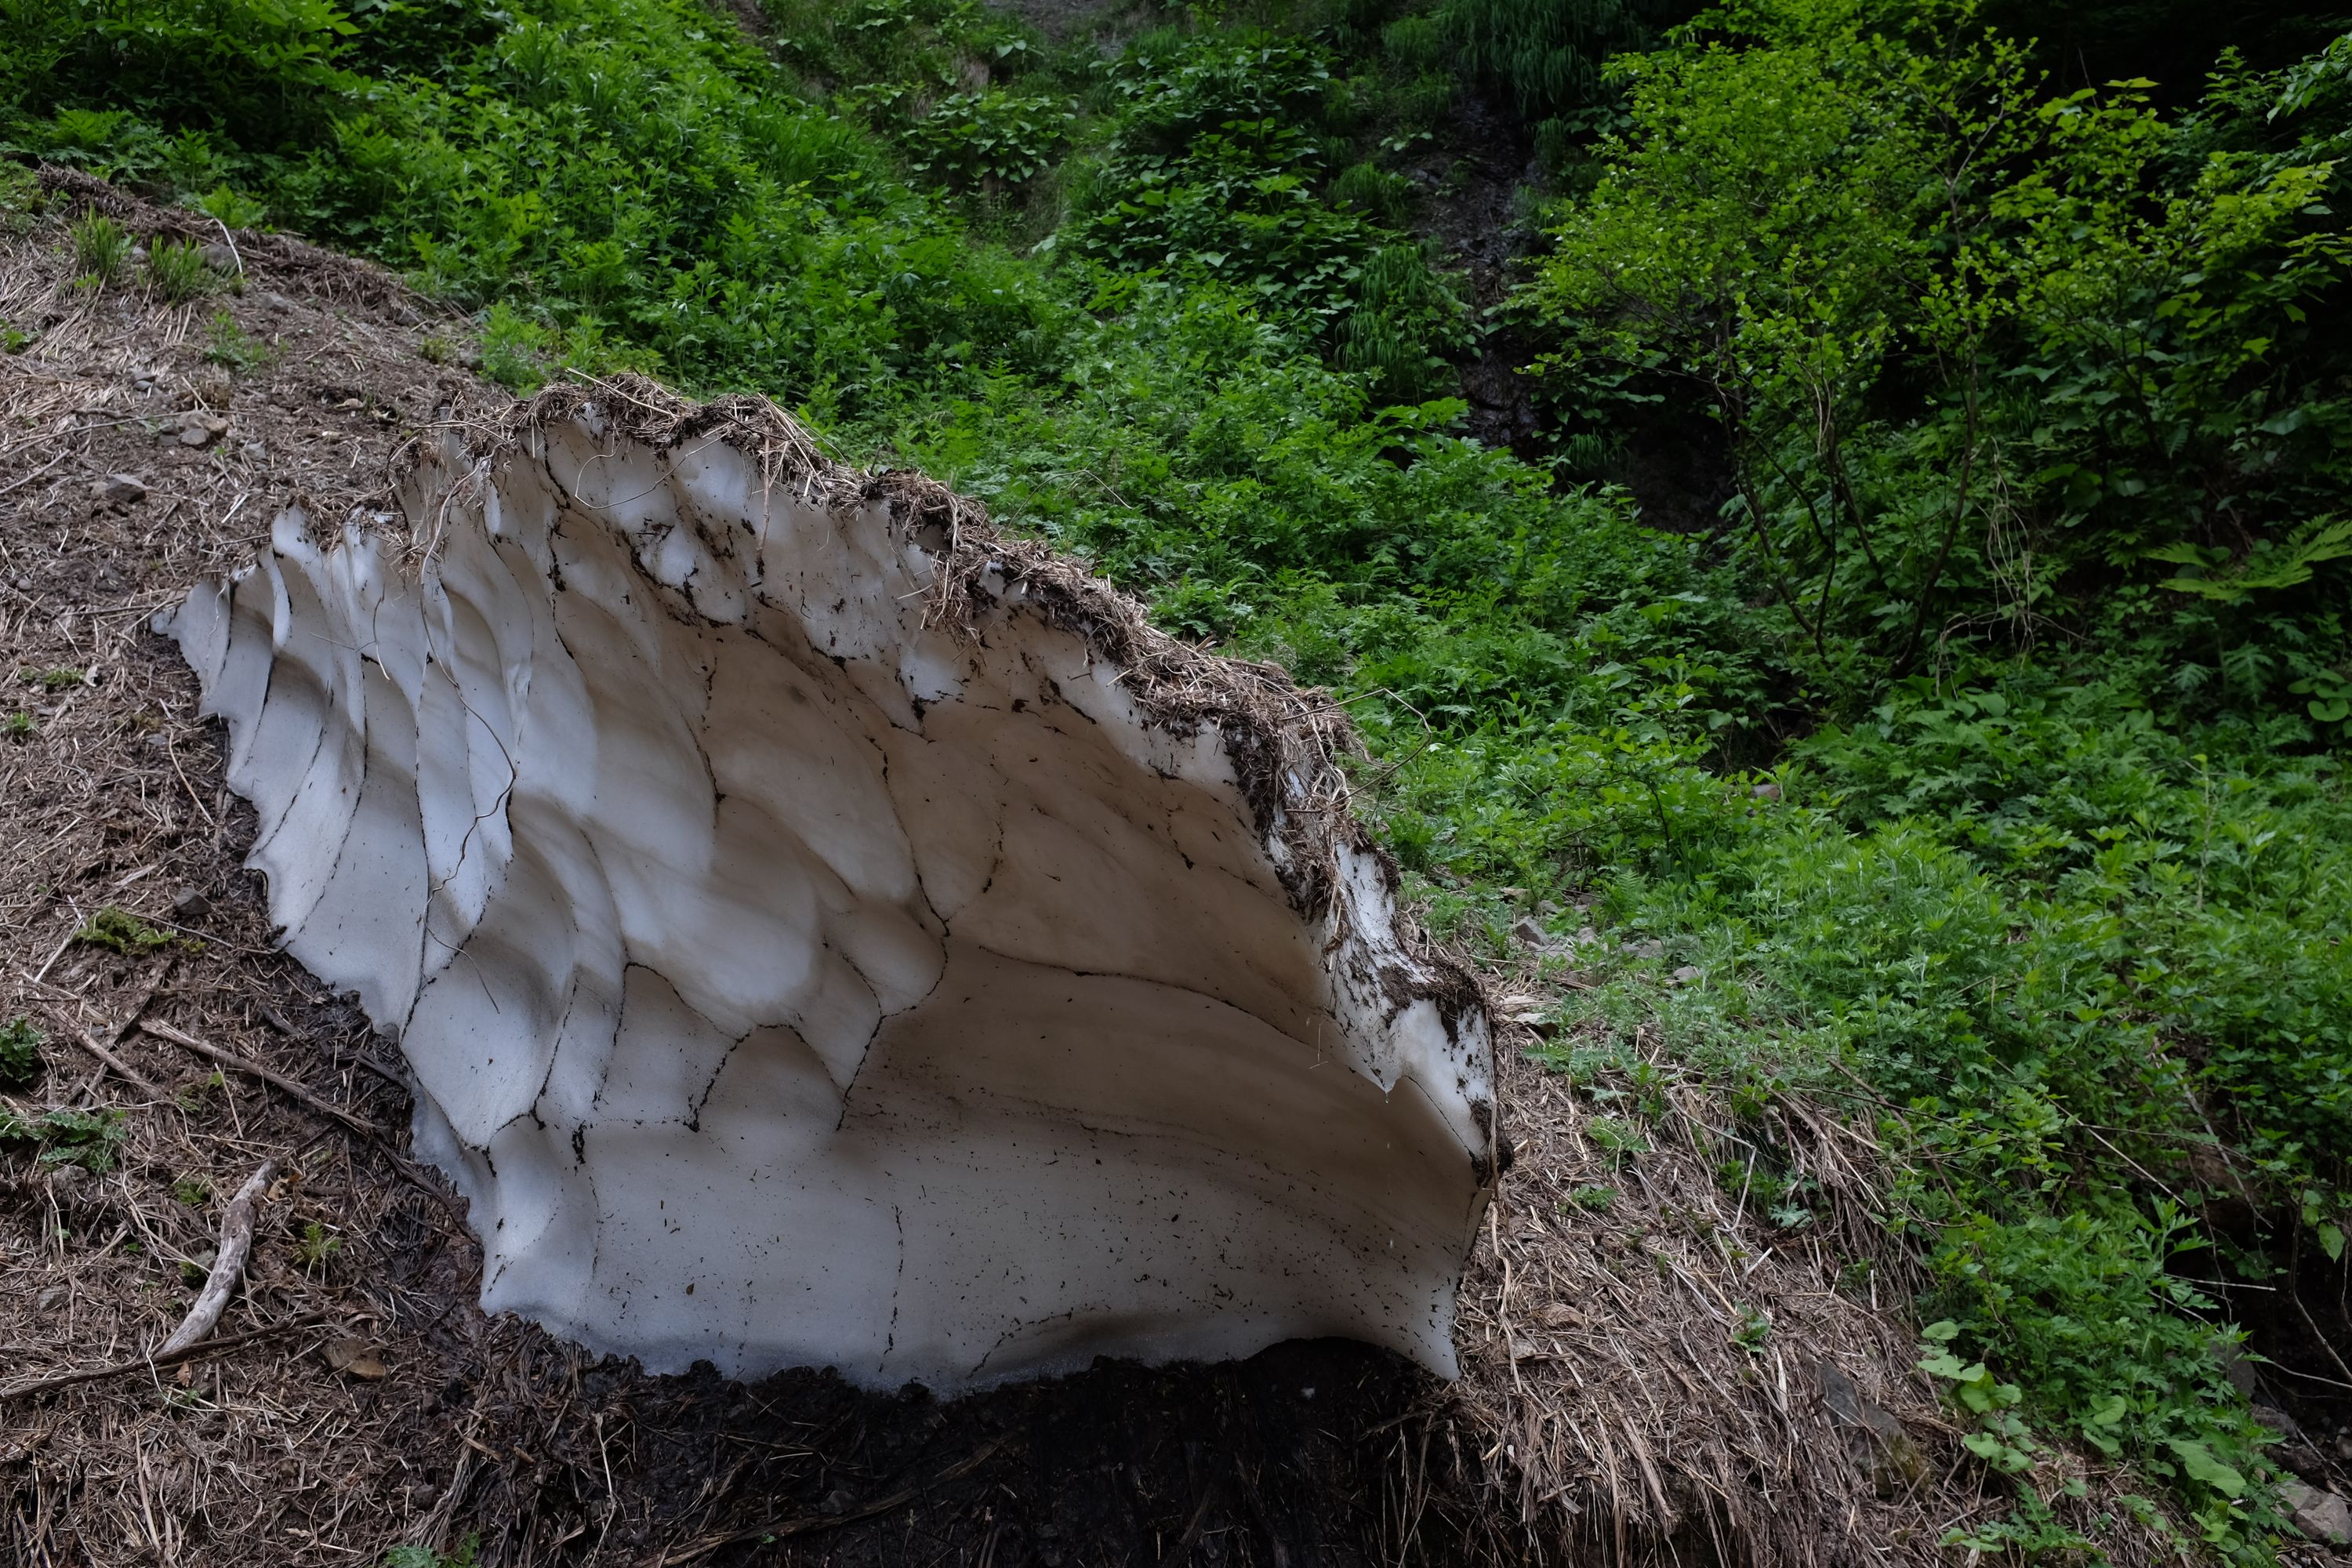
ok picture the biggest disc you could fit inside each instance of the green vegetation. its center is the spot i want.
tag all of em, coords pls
(101, 251)
(89, 1139)
(232, 346)
(1982, 755)
(177, 271)
(20, 1053)
(119, 930)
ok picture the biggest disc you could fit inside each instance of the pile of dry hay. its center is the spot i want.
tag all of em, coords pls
(1665, 1378)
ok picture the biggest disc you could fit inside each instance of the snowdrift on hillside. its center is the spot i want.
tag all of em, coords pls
(822, 932)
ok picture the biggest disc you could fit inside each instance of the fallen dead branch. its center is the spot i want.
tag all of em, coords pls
(275, 1079)
(112, 1063)
(228, 1262)
(160, 1360)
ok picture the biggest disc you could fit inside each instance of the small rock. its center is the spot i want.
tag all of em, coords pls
(407, 315)
(1648, 947)
(2322, 1516)
(190, 904)
(1686, 974)
(51, 1297)
(1585, 937)
(1530, 930)
(421, 1495)
(1548, 911)
(276, 301)
(213, 386)
(222, 259)
(1766, 792)
(68, 1182)
(2295, 1449)
(1880, 1450)
(119, 489)
(202, 429)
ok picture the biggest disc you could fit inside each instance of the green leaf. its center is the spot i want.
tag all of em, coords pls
(2331, 1241)
(2199, 1461)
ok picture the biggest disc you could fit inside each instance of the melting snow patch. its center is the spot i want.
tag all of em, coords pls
(822, 932)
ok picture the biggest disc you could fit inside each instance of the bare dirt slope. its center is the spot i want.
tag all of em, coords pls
(1664, 1378)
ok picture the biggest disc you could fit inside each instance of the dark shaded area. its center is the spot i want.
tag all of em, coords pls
(1676, 461)
(2173, 43)
(2299, 1326)
(1301, 1456)
(1470, 178)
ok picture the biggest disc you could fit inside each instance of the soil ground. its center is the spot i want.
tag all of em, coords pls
(1661, 1379)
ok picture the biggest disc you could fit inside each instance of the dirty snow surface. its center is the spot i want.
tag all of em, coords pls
(795, 972)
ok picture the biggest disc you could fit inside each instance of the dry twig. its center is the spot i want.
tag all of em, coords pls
(276, 1081)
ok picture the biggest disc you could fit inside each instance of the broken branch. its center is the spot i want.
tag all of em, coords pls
(113, 1063)
(160, 1360)
(276, 1081)
(228, 1262)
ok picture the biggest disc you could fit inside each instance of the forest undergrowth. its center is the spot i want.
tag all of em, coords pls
(1976, 771)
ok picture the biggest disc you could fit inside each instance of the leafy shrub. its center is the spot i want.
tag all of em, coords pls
(91, 1138)
(233, 209)
(1922, 396)
(993, 139)
(20, 198)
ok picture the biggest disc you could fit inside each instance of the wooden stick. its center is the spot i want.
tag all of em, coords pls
(114, 1064)
(158, 1361)
(228, 1262)
(276, 1081)
(808, 1523)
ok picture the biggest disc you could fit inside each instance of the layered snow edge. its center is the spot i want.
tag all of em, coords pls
(823, 931)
